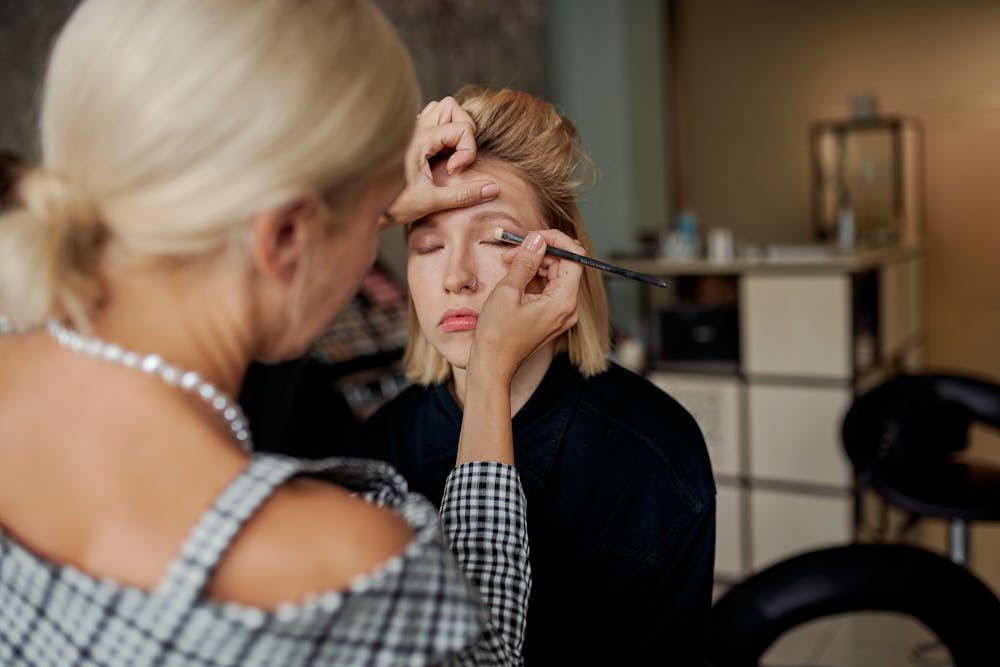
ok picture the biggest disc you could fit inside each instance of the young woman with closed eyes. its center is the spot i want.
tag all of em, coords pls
(621, 509)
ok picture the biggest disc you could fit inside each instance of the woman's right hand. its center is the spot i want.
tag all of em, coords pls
(514, 322)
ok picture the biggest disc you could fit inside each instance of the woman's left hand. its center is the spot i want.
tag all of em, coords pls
(442, 127)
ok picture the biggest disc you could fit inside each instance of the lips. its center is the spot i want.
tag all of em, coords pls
(458, 319)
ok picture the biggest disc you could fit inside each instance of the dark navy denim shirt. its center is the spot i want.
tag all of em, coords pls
(621, 511)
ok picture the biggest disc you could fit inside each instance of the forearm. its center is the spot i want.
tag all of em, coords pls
(486, 421)
(483, 514)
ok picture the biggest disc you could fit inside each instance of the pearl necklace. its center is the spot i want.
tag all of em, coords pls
(153, 364)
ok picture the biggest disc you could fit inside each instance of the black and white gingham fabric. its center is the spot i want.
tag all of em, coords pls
(418, 609)
(483, 515)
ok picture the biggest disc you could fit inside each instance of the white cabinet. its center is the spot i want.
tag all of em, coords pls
(796, 326)
(794, 433)
(783, 523)
(811, 335)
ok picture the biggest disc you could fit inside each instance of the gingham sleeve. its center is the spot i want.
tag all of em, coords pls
(483, 514)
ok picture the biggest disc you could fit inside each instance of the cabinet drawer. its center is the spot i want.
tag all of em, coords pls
(729, 532)
(796, 326)
(794, 433)
(714, 402)
(783, 524)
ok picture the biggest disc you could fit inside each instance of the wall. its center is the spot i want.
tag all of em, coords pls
(753, 75)
(26, 30)
(609, 63)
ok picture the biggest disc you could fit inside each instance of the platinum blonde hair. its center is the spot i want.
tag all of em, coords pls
(166, 124)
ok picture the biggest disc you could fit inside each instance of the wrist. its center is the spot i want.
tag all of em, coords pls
(484, 368)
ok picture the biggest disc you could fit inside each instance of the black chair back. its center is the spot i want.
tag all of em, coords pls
(953, 603)
(901, 437)
(918, 419)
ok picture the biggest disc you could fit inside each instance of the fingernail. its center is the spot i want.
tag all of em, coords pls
(490, 190)
(535, 241)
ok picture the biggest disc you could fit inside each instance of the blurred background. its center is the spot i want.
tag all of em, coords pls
(751, 151)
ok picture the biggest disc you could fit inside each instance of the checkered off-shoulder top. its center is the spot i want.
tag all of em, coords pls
(417, 609)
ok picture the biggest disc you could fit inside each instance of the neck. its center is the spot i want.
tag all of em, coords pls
(527, 378)
(186, 314)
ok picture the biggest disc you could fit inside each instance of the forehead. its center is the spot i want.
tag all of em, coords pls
(517, 198)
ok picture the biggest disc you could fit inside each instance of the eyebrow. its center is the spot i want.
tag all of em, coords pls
(490, 216)
(479, 218)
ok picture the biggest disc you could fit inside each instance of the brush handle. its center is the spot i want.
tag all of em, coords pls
(588, 261)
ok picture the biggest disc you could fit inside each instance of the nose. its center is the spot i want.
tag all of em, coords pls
(460, 272)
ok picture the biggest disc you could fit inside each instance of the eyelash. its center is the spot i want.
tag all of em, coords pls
(426, 250)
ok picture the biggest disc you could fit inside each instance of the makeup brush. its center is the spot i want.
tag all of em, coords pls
(502, 234)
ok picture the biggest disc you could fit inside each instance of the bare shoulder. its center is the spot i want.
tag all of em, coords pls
(309, 537)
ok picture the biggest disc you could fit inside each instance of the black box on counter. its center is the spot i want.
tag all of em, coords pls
(696, 333)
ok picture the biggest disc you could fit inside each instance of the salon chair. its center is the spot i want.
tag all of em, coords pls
(902, 438)
(952, 602)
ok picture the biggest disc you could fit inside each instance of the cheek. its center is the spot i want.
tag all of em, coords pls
(420, 279)
(490, 267)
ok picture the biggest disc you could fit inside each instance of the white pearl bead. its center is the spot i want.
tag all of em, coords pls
(206, 391)
(151, 363)
(170, 374)
(190, 380)
(112, 353)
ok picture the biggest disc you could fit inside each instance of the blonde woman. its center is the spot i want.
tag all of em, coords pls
(214, 173)
(621, 510)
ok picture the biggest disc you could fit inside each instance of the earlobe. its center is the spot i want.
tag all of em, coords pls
(279, 236)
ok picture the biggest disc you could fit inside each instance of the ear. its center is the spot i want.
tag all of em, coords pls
(279, 237)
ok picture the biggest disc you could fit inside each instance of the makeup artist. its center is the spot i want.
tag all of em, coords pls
(621, 499)
(213, 177)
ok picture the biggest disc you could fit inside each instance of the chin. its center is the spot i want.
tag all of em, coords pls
(458, 360)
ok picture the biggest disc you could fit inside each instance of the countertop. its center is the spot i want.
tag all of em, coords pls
(778, 260)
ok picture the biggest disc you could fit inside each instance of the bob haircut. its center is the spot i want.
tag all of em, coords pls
(528, 135)
(166, 125)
